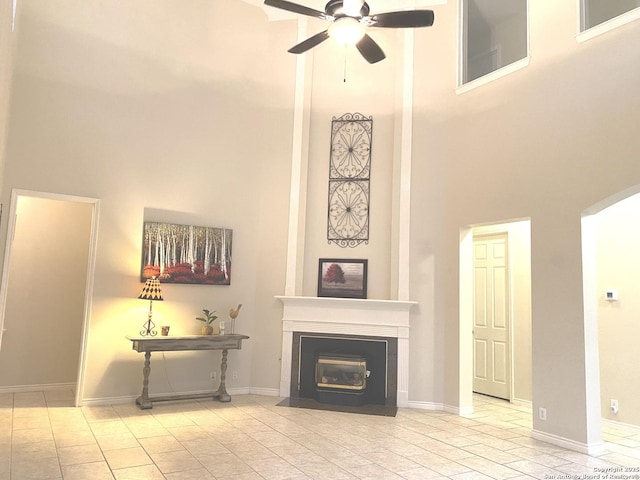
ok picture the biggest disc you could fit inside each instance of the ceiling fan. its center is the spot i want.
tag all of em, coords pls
(348, 21)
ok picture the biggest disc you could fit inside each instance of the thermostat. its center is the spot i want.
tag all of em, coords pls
(611, 295)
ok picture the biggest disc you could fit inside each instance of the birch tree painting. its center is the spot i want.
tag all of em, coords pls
(186, 254)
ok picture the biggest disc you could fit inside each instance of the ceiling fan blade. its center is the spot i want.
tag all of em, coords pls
(295, 8)
(369, 49)
(405, 19)
(310, 42)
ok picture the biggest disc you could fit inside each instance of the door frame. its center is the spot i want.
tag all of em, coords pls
(465, 337)
(91, 260)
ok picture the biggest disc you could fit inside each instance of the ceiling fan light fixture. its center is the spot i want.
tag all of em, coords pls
(346, 31)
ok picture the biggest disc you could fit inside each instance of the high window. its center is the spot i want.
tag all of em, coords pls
(595, 12)
(494, 35)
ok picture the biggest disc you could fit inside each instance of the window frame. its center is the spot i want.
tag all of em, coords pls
(585, 33)
(461, 86)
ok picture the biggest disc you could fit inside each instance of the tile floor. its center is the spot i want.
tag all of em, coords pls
(42, 437)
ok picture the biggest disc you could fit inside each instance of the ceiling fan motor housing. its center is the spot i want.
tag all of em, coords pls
(334, 8)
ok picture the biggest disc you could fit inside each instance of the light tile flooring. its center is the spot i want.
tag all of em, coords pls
(42, 437)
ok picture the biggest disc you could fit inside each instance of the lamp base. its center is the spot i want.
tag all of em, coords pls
(148, 326)
(148, 329)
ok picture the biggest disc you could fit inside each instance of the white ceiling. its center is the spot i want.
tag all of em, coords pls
(377, 6)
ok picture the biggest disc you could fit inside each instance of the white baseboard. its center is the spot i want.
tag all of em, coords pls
(425, 405)
(48, 387)
(267, 392)
(457, 410)
(101, 401)
(589, 449)
(441, 407)
(239, 391)
(614, 423)
(524, 403)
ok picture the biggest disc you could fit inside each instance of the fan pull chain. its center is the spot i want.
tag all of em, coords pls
(344, 74)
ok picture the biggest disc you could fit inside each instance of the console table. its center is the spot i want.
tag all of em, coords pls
(184, 343)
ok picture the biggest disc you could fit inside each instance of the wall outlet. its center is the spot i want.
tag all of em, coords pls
(614, 406)
(542, 413)
(213, 375)
(235, 375)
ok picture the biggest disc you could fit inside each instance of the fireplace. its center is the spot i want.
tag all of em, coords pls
(378, 330)
(373, 359)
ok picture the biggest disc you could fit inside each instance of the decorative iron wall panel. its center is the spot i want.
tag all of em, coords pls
(349, 176)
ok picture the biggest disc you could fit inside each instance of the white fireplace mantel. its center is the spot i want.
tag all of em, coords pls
(348, 316)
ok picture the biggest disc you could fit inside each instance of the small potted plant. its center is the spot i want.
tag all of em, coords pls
(208, 319)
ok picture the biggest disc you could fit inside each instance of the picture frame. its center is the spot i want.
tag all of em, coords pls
(186, 254)
(342, 278)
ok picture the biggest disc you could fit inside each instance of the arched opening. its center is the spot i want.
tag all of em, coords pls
(611, 274)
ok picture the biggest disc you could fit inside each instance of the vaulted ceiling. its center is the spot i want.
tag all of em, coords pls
(376, 6)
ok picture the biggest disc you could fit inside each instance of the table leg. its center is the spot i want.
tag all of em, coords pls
(221, 393)
(143, 400)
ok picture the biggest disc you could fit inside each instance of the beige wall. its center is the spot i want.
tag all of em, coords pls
(343, 82)
(6, 69)
(167, 112)
(546, 142)
(617, 263)
(45, 292)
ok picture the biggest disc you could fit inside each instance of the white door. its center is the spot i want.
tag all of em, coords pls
(491, 351)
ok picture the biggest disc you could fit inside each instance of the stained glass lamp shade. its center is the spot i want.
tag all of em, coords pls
(151, 291)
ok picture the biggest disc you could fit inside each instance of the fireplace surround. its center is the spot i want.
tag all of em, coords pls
(347, 318)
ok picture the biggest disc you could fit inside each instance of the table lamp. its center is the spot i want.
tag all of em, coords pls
(151, 291)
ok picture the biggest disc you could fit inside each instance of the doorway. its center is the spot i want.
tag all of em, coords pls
(611, 231)
(516, 350)
(46, 291)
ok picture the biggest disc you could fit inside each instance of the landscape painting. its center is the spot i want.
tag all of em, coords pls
(342, 278)
(186, 254)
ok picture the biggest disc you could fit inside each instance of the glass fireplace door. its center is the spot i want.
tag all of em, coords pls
(341, 372)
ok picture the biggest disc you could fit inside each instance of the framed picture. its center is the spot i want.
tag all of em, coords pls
(345, 278)
(186, 254)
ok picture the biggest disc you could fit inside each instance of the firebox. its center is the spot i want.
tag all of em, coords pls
(343, 369)
(341, 378)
